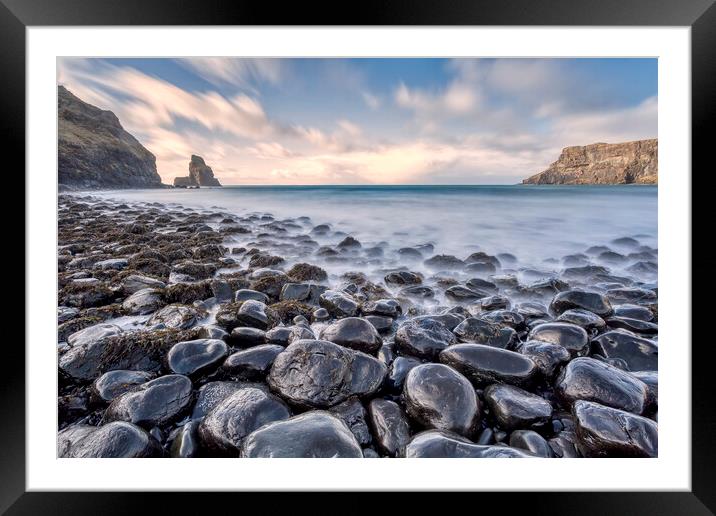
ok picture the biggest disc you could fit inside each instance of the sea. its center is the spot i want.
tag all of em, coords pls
(535, 223)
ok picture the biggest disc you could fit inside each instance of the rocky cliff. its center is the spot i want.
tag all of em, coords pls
(94, 151)
(603, 163)
(200, 174)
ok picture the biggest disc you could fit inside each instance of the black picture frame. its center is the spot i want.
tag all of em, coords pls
(700, 15)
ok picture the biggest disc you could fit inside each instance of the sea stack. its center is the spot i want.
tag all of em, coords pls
(94, 151)
(603, 164)
(200, 174)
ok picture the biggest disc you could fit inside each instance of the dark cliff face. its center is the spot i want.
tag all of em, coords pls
(200, 174)
(94, 151)
(603, 163)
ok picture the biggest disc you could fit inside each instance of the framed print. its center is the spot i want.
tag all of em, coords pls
(435, 237)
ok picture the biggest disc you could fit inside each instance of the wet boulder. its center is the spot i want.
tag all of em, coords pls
(245, 336)
(253, 313)
(447, 445)
(640, 354)
(592, 380)
(390, 426)
(514, 408)
(481, 331)
(353, 414)
(353, 332)
(320, 374)
(175, 316)
(338, 303)
(633, 311)
(93, 333)
(548, 357)
(382, 307)
(483, 365)
(196, 357)
(245, 294)
(633, 325)
(461, 294)
(69, 436)
(403, 278)
(571, 337)
(590, 321)
(314, 434)
(399, 369)
(229, 422)
(608, 432)
(437, 396)
(305, 292)
(592, 301)
(135, 282)
(423, 337)
(253, 363)
(119, 439)
(115, 383)
(211, 394)
(532, 442)
(154, 403)
(143, 302)
(185, 442)
(444, 262)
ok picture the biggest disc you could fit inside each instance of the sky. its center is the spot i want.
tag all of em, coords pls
(369, 121)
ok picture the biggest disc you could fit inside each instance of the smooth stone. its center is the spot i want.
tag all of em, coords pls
(532, 442)
(417, 292)
(211, 394)
(403, 278)
(480, 331)
(223, 429)
(380, 323)
(548, 357)
(135, 282)
(447, 445)
(494, 303)
(154, 403)
(196, 357)
(118, 439)
(481, 285)
(306, 292)
(437, 396)
(116, 264)
(384, 307)
(564, 445)
(355, 417)
(252, 364)
(175, 316)
(444, 262)
(633, 325)
(320, 374)
(651, 379)
(480, 268)
(591, 301)
(115, 383)
(571, 337)
(246, 336)
(338, 304)
(69, 436)
(423, 337)
(390, 426)
(143, 302)
(185, 443)
(316, 433)
(252, 313)
(592, 380)
(631, 295)
(608, 432)
(399, 369)
(510, 318)
(321, 314)
(485, 364)
(590, 321)
(640, 354)
(245, 294)
(460, 294)
(354, 333)
(449, 319)
(634, 312)
(515, 408)
(93, 333)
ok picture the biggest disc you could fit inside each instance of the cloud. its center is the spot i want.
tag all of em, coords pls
(236, 71)
(372, 101)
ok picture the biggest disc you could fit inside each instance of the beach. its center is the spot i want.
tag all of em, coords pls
(411, 321)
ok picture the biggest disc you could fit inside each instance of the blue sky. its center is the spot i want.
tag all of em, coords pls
(364, 121)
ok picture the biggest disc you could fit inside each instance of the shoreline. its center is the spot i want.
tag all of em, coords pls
(225, 316)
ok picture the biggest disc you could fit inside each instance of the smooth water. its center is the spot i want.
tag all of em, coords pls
(532, 222)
